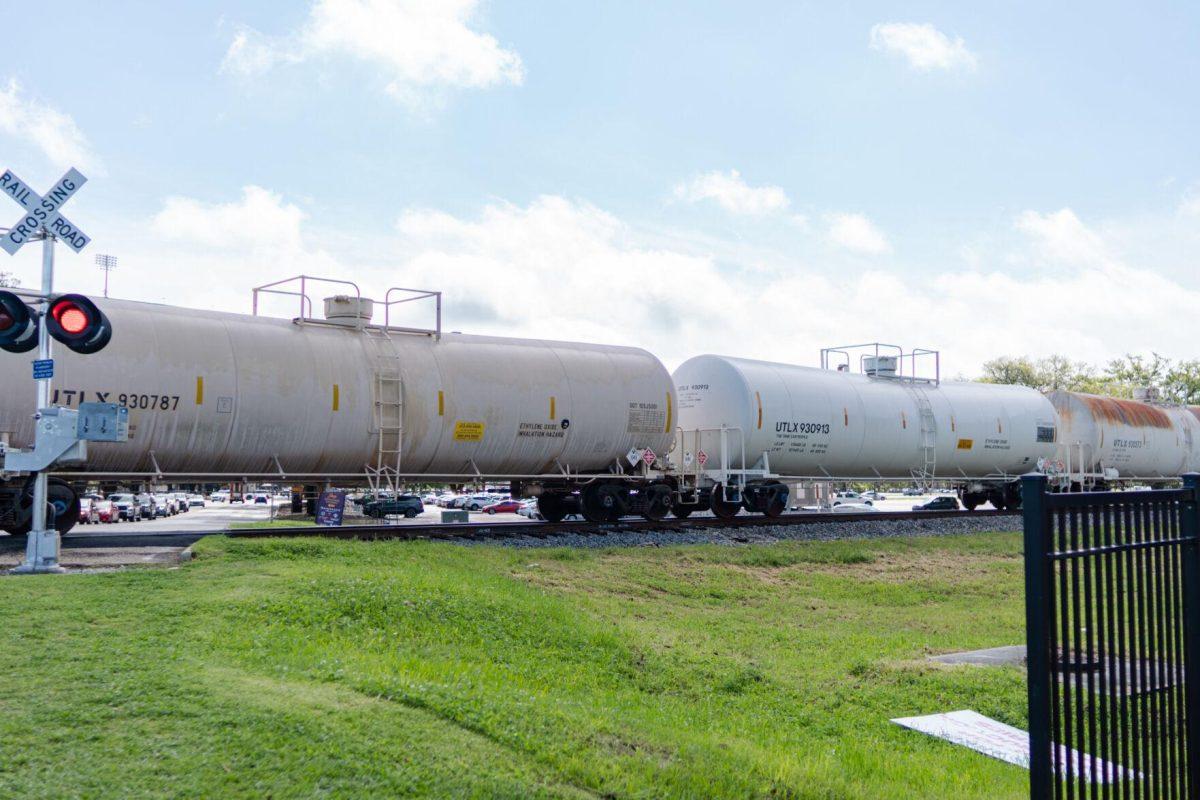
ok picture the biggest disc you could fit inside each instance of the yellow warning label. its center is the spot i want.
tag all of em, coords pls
(468, 431)
(966, 444)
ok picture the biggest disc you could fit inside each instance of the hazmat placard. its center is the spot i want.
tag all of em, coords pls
(465, 431)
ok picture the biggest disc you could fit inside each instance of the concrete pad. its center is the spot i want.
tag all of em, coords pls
(106, 558)
(1011, 655)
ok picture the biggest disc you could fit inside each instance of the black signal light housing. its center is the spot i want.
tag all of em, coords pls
(18, 324)
(75, 321)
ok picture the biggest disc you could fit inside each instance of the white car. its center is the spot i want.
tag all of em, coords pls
(853, 508)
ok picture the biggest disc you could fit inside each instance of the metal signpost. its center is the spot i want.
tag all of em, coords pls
(42, 220)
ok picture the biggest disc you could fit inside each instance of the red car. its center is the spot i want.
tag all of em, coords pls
(106, 512)
(87, 512)
(503, 507)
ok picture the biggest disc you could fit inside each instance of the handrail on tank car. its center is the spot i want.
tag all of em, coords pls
(417, 294)
(303, 293)
(901, 357)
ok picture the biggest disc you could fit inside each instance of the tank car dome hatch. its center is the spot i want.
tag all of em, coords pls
(346, 310)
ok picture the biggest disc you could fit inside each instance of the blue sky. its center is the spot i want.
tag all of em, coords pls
(757, 178)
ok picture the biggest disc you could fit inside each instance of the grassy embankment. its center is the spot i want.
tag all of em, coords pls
(344, 669)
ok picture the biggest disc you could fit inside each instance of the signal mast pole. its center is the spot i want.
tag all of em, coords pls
(41, 545)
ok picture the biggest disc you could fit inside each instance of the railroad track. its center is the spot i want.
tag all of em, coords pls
(493, 530)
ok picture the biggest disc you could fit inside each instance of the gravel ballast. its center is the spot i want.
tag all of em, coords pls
(768, 534)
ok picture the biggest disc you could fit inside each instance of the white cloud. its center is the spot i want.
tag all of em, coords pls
(577, 272)
(1189, 206)
(857, 233)
(47, 128)
(732, 193)
(416, 44)
(1062, 237)
(924, 46)
(259, 219)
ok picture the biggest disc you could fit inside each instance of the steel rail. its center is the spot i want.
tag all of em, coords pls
(501, 530)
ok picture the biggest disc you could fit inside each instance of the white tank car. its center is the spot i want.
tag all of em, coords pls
(1103, 438)
(819, 422)
(214, 393)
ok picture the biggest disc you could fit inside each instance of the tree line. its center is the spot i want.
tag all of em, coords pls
(1176, 381)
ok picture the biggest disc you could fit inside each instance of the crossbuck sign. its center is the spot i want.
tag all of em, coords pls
(42, 211)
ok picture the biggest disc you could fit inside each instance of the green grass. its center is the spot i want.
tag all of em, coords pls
(305, 668)
(298, 521)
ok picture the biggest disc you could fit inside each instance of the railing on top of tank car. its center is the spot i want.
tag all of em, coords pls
(268, 288)
(416, 294)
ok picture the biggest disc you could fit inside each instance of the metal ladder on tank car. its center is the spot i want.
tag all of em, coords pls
(387, 416)
(925, 473)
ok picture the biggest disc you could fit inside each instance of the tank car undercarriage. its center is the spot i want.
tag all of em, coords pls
(604, 499)
(16, 505)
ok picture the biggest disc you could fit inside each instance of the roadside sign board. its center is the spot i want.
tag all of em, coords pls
(331, 507)
(43, 369)
(42, 211)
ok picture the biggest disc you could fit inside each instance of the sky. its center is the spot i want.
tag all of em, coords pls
(754, 178)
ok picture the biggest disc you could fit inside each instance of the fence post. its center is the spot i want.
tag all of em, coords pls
(1037, 634)
(1189, 523)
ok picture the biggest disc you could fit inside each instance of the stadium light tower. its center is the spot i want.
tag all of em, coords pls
(108, 264)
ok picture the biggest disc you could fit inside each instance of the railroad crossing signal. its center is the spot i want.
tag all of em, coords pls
(72, 319)
(43, 211)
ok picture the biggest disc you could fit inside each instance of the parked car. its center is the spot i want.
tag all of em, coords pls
(853, 498)
(447, 500)
(128, 508)
(106, 511)
(219, 496)
(912, 491)
(873, 495)
(146, 505)
(853, 508)
(477, 502)
(88, 515)
(163, 506)
(942, 503)
(528, 508)
(406, 505)
(262, 499)
(503, 507)
(196, 501)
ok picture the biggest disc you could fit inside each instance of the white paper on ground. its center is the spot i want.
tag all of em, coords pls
(995, 739)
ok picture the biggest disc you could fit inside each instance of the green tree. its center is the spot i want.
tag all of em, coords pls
(1015, 370)
(1181, 384)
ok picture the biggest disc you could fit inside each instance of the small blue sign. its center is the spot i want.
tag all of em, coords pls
(43, 368)
(330, 508)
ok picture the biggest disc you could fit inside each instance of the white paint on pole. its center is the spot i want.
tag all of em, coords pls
(42, 211)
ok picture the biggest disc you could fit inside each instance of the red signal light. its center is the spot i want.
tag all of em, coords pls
(6, 320)
(18, 324)
(75, 321)
(72, 318)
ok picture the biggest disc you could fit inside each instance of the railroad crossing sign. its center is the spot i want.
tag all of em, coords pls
(43, 211)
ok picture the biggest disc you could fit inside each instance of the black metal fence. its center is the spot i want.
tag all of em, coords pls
(1112, 601)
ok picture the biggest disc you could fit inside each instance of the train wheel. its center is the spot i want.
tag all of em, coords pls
(602, 502)
(552, 507)
(776, 499)
(682, 511)
(60, 495)
(722, 508)
(657, 501)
